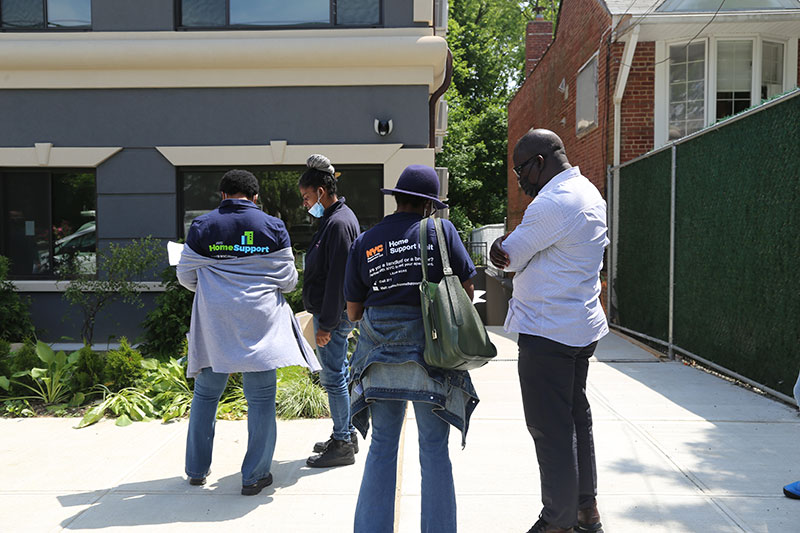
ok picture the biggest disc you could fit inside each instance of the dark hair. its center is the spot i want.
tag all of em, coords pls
(239, 182)
(409, 199)
(313, 178)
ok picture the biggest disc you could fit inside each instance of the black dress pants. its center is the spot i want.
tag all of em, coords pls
(553, 381)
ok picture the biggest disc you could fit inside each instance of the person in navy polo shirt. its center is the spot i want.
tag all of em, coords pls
(324, 299)
(238, 260)
(382, 289)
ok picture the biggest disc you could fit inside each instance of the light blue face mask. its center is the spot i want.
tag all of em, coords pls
(316, 210)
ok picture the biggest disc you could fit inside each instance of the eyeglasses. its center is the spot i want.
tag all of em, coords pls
(518, 169)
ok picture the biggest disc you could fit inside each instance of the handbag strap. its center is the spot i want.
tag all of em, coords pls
(423, 247)
(423, 244)
(451, 284)
(442, 247)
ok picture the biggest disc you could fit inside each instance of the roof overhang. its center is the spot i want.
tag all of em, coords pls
(292, 58)
(676, 26)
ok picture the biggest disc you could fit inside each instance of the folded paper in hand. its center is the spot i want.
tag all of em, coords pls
(174, 251)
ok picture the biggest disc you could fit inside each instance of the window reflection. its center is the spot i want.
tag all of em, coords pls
(279, 197)
(279, 12)
(222, 13)
(687, 88)
(37, 14)
(69, 13)
(49, 226)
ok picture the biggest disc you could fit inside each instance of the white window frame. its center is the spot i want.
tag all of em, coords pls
(661, 93)
(582, 131)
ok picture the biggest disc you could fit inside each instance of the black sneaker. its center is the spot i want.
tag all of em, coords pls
(255, 488)
(543, 527)
(196, 481)
(320, 446)
(337, 453)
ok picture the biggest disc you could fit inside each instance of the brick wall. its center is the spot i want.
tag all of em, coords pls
(581, 32)
(638, 101)
(538, 36)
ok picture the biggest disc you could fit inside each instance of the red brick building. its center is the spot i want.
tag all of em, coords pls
(621, 77)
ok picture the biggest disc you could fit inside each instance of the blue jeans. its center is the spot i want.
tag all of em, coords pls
(375, 508)
(335, 375)
(259, 389)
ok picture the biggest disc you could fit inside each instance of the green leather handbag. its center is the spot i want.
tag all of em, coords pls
(455, 337)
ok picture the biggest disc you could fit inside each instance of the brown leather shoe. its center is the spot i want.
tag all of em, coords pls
(543, 527)
(589, 520)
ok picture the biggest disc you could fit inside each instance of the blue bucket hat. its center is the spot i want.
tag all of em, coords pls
(419, 180)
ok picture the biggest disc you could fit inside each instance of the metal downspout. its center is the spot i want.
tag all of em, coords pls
(448, 77)
(619, 91)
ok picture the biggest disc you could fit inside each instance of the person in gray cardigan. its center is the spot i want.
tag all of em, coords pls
(238, 260)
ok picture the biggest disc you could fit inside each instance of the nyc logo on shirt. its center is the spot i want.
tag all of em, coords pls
(374, 253)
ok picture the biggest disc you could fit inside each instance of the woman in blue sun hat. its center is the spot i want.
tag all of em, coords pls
(382, 282)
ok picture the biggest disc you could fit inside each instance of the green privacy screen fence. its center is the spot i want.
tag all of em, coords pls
(736, 290)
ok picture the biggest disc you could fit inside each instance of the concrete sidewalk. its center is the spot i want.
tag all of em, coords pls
(678, 450)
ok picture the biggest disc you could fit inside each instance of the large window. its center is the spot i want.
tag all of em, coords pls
(734, 77)
(687, 89)
(278, 196)
(586, 94)
(48, 224)
(716, 78)
(271, 13)
(40, 14)
(771, 69)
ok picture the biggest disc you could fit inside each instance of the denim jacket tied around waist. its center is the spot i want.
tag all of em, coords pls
(388, 364)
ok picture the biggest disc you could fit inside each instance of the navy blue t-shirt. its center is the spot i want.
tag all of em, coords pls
(237, 228)
(384, 266)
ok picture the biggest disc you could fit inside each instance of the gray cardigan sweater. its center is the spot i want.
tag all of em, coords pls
(240, 320)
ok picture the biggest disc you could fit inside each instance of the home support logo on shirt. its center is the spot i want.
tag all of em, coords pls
(245, 246)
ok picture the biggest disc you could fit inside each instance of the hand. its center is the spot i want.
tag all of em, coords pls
(497, 255)
(323, 337)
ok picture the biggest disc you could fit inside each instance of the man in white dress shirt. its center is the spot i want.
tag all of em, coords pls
(557, 253)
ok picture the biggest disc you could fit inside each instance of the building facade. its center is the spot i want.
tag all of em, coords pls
(119, 117)
(622, 77)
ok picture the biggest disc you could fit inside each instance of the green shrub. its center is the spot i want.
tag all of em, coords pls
(122, 268)
(48, 380)
(88, 371)
(299, 397)
(15, 318)
(123, 366)
(170, 389)
(166, 325)
(25, 358)
(5, 358)
(17, 409)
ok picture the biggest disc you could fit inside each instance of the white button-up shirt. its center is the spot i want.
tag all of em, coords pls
(557, 253)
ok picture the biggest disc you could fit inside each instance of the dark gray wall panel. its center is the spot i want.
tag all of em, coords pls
(133, 15)
(131, 216)
(156, 117)
(400, 14)
(57, 321)
(136, 170)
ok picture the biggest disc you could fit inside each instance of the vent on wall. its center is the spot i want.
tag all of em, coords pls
(440, 16)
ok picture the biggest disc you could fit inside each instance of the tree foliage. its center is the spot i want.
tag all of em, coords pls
(487, 39)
